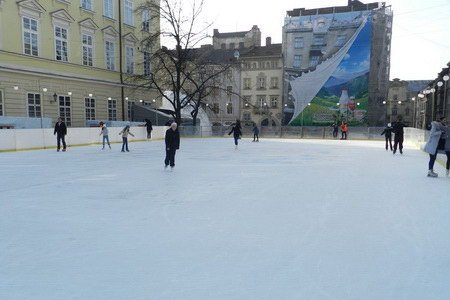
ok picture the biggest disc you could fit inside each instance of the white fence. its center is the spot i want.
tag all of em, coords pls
(21, 139)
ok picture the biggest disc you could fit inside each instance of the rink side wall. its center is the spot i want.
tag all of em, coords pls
(28, 139)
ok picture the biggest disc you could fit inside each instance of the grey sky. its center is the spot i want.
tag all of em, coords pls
(421, 38)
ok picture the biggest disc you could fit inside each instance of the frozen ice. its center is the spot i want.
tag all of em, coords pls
(278, 219)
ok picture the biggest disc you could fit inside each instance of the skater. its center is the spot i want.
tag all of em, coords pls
(61, 132)
(172, 145)
(344, 130)
(236, 130)
(447, 148)
(387, 132)
(125, 132)
(148, 125)
(432, 146)
(104, 132)
(255, 133)
(335, 130)
(397, 129)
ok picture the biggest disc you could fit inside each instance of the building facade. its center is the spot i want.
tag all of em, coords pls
(336, 64)
(70, 58)
(262, 85)
(237, 40)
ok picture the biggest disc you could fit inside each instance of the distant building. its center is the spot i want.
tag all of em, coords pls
(68, 58)
(328, 50)
(237, 40)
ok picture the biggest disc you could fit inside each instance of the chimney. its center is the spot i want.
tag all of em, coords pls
(216, 32)
(268, 41)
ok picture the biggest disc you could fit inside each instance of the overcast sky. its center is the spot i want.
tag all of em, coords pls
(421, 32)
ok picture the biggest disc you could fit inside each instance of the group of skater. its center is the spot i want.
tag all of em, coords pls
(344, 130)
(396, 128)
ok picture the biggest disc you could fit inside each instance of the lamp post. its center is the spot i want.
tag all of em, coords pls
(445, 78)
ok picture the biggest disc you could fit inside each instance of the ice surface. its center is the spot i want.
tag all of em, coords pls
(278, 219)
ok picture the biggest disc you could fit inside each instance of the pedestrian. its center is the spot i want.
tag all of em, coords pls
(237, 132)
(397, 129)
(255, 133)
(125, 132)
(61, 132)
(148, 125)
(387, 132)
(344, 130)
(335, 129)
(104, 131)
(432, 146)
(172, 145)
(447, 148)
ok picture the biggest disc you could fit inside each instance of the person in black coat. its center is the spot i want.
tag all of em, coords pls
(255, 133)
(387, 132)
(172, 144)
(148, 125)
(236, 130)
(60, 131)
(335, 130)
(397, 129)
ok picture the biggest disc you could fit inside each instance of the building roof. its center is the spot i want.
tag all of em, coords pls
(270, 50)
(353, 5)
(230, 34)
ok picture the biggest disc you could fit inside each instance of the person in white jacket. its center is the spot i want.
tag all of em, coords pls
(104, 132)
(431, 147)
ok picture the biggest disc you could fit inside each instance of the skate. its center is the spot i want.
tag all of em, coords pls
(447, 173)
(64, 150)
(432, 174)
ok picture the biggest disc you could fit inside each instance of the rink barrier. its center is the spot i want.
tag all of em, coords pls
(34, 139)
(31, 139)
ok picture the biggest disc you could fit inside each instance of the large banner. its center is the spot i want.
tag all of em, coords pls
(336, 89)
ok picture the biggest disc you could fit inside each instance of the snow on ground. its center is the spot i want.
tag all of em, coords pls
(279, 219)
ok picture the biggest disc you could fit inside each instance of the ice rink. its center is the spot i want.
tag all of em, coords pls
(278, 219)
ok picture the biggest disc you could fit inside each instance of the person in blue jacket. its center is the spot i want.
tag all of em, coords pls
(237, 132)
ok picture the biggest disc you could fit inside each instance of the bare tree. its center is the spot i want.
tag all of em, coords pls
(181, 69)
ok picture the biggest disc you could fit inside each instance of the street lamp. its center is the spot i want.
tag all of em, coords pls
(445, 78)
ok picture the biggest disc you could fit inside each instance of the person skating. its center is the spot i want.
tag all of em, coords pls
(387, 132)
(447, 148)
(255, 133)
(335, 130)
(432, 146)
(148, 125)
(61, 132)
(125, 132)
(236, 130)
(104, 131)
(397, 129)
(344, 130)
(172, 140)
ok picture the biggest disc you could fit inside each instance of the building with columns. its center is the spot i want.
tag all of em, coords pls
(71, 58)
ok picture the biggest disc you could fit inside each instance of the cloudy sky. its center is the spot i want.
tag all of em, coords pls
(421, 39)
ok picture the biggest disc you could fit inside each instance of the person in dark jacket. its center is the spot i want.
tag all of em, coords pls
(255, 133)
(61, 132)
(148, 125)
(397, 129)
(335, 130)
(387, 132)
(236, 130)
(172, 145)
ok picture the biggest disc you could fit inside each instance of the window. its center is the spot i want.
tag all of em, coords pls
(129, 56)
(298, 43)
(395, 97)
(108, 9)
(297, 61)
(86, 4)
(314, 61)
(64, 109)
(274, 64)
(223, 46)
(246, 101)
(61, 44)
(274, 101)
(128, 12)
(88, 50)
(112, 110)
(147, 64)
(232, 46)
(394, 110)
(34, 105)
(109, 54)
(1, 103)
(261, 101)
(215, 108)
(230, 108)
(241, 45)
(247, 84)
(261, 83)
(130, 110)
(146, 20)
(30, 36)
(340, 41)
(89, 104)
(274, 82)
(229, 90)
(407, 111)
(247, 116)
(319, 40)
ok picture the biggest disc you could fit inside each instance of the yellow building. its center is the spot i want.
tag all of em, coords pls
(68, 58)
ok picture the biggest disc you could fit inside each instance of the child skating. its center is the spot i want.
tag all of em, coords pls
(105, 133)
(125, 132)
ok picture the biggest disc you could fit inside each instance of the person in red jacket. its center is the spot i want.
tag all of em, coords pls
(344, 130)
